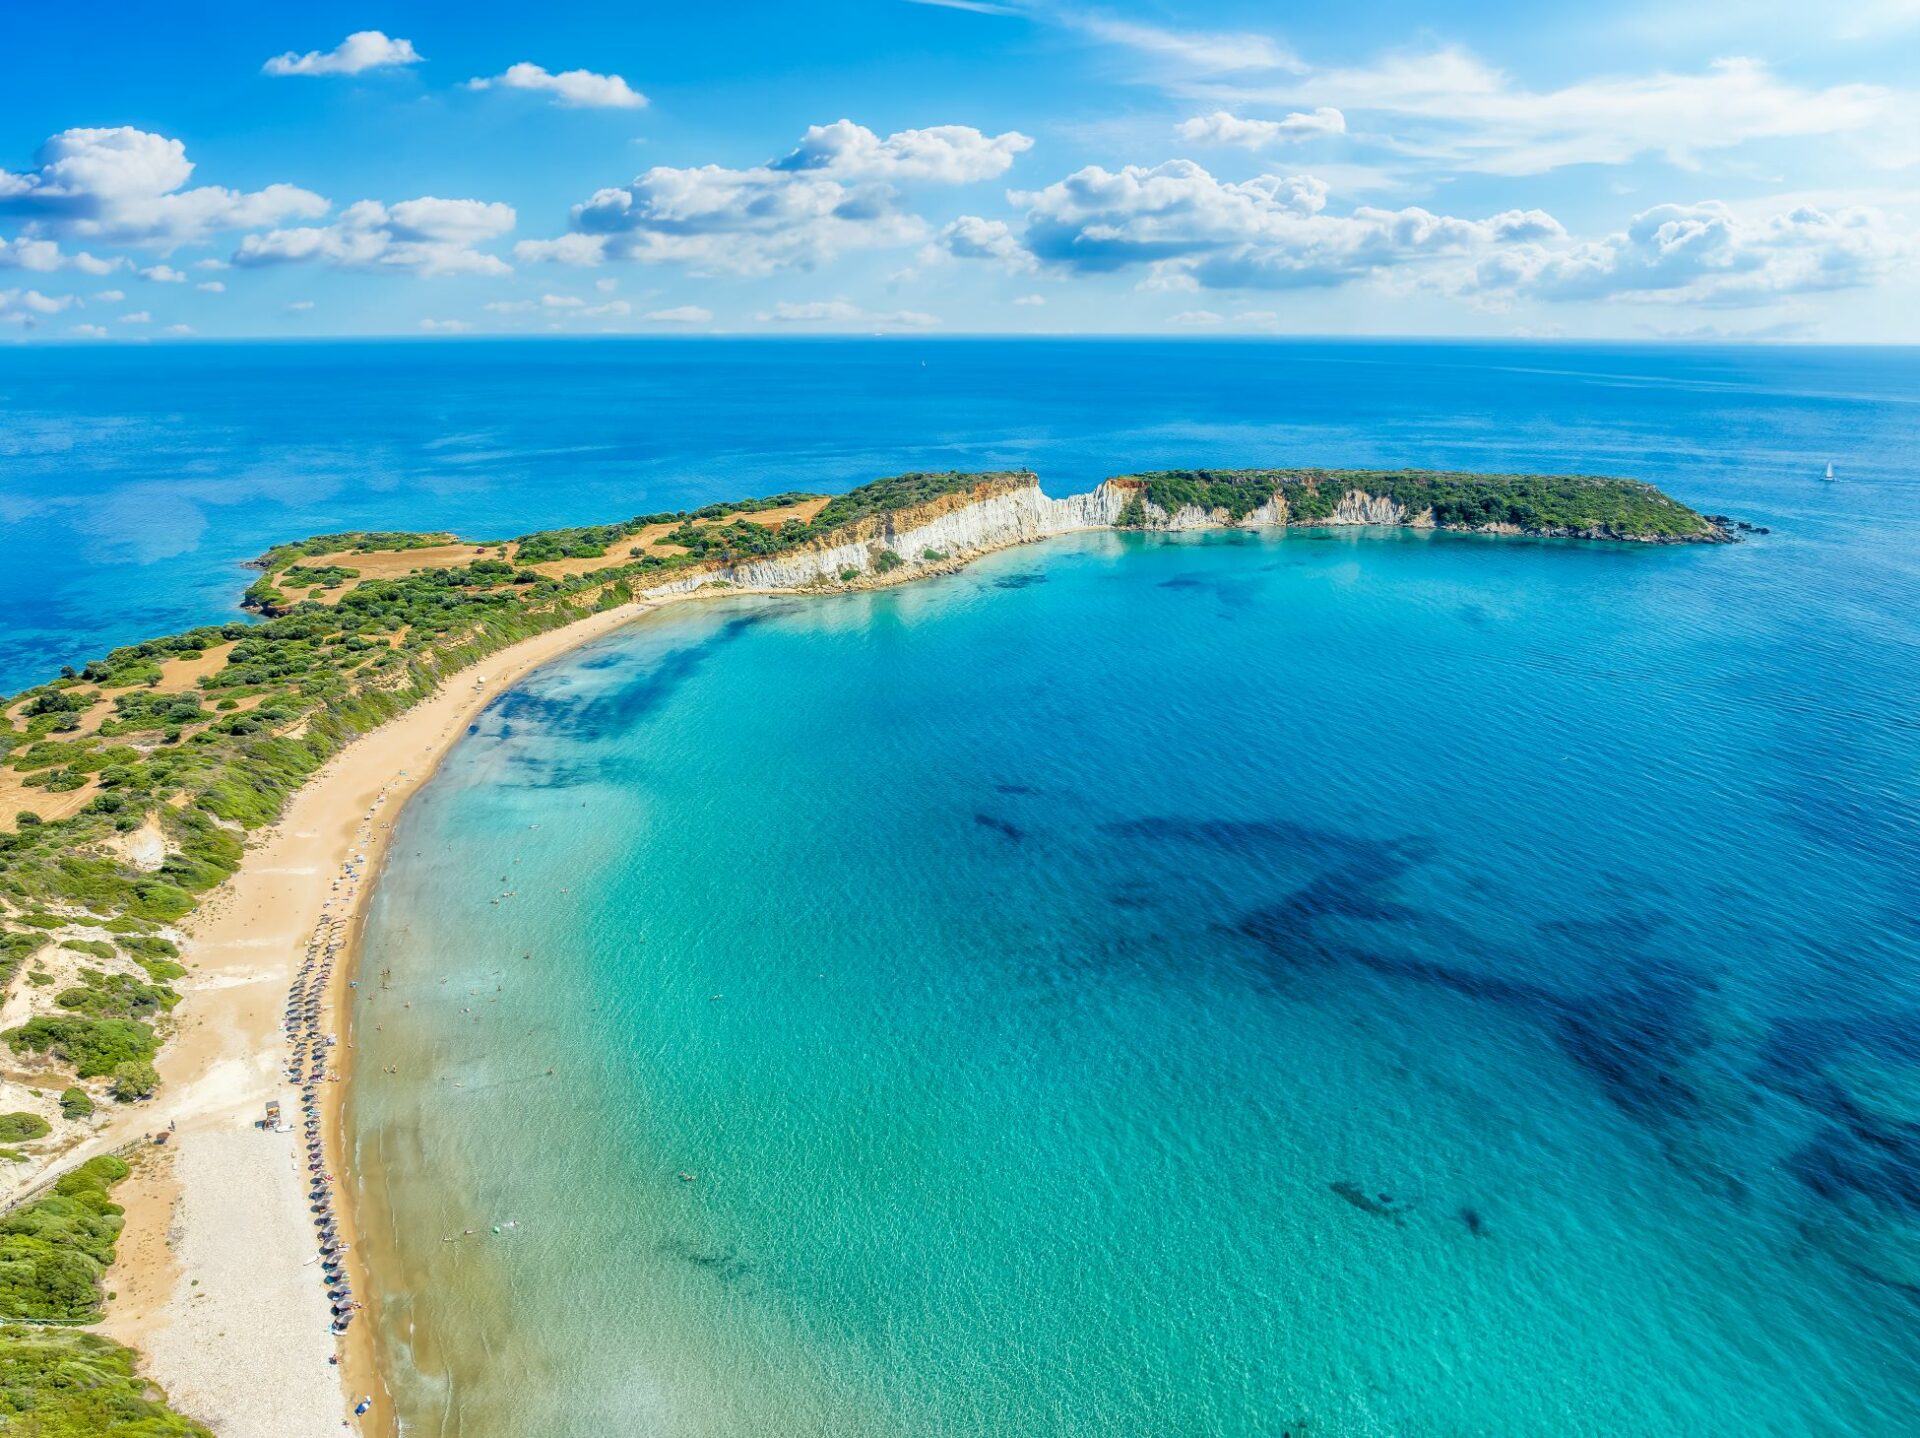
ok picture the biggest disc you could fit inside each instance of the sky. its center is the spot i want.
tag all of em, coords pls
(1656, 169)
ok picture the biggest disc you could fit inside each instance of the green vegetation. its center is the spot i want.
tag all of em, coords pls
(75, 1103)
(94, 1047)
(134, 1079)
(1534, 503)
(23, 1127)
(54, 1250)
(58, 1383)
(887, 562)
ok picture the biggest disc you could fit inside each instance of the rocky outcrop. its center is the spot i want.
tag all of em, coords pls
(1356, 506)
(1009, 509)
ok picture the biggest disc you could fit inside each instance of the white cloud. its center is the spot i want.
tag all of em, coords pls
(427, 236)
(606, 286)
(28, 307)
(163, 274)
(578, 89)
(941, 155)
(1191, 52)
(579, 250)
(177, 330)
(300, 306)
(1196, 318)
(125, 185)
(211, 287)
(87, 332)
(363, 50)
(111, 297)
(46, 256)
(972, 7)
(1223, 128)
(445, 327)
(1270, 232)
(563, 307)
(1450, 107)
(682, 315)
(832, 194)
(1704, 254)
(843, 313)
(138, 317)
(211, 263)
(972, 238)
(1033, 300)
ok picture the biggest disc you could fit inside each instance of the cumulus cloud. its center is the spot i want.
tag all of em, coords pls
(682, 315)
(363, 50)
(163, 274)
(28, 308)
(941, 155)
(211, 287)
(87, 332)
(128, 186)
(445, 327)
(843, 313)
(46, 256)
(138, 317)
(1704, 254)
(833, 193)
(1196, 318)
(427, 236)
(972, 238)
(1224, 128)
(177, 330)
(577, 89)
(111, 297)
(1271, 232)
(1033, 300)
(300, 306)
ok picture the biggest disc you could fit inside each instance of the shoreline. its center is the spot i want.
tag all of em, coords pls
(239, 1335)
(241, 1316)
(228, 1059)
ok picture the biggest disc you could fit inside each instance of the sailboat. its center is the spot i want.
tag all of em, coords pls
(1829, 471)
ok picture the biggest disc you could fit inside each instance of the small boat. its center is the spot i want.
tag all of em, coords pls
(1829, 475)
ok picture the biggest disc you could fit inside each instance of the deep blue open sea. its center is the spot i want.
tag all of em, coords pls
(1334, 984)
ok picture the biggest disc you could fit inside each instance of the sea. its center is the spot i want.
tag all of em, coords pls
(1259, 985)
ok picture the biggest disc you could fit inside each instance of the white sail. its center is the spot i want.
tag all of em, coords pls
(1829, 469)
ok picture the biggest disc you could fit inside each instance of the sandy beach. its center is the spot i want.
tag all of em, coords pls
(216, 1282)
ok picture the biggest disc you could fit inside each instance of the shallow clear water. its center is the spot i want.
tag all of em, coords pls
(1351, 984)
(1079, 922)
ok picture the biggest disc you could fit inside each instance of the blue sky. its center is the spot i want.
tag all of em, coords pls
(1663, 170)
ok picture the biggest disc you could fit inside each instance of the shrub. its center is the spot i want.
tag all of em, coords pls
(23, 1127)
(53, 1251)
(61, 1383)
(76, 1103)
(887, 562)
(95, 1047)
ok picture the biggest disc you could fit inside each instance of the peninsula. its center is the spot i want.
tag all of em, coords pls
(187, 826)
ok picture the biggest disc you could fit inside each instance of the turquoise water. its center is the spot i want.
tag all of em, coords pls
(1081, 921)
(1336, 984)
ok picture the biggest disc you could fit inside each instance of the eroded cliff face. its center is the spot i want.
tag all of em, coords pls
(1001, 512)
(1005, 510)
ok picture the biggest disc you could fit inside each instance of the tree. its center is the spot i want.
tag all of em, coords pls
(134, 1079)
